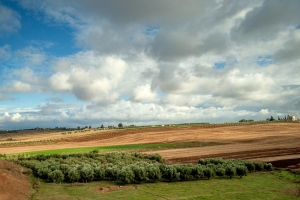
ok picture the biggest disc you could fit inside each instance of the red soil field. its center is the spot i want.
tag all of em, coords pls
(257, 142)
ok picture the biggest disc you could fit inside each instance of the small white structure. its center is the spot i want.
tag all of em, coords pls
(291, 117)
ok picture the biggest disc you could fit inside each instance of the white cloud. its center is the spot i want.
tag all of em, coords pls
(160, 61)
(16, 117)
(264, 112)
(143, 93)
(17, 87)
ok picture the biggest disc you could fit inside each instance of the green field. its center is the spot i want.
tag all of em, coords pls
(127, 147)
(254, 186)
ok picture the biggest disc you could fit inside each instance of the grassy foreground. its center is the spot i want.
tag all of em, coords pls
(254, 186)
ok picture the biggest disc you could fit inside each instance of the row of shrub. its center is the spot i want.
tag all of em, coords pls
(130, 168)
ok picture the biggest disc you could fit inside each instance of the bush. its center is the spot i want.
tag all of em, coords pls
(220, 172)
(56, 176)
(43, 172)
(126, 175)
(259, 166)
(87, 173)
(268, 166)
(202, 161)
(153, 172)
(140, 173)
(241, 171)
(99, 173)
(197, 172)
(250, 166)
(169, 172)
(185, 171)
(73, 174)
(230, 171)
(208, 173)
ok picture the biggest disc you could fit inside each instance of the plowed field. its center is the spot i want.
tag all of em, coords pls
(278, 142)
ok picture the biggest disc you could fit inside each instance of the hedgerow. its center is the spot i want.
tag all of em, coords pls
(131, 168)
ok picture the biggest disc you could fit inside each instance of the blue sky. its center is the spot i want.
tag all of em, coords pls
(77, 63)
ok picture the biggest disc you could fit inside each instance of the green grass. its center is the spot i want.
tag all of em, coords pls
(254, 186)
(126, 147)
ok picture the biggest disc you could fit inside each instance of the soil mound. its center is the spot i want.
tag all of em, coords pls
(14, 185)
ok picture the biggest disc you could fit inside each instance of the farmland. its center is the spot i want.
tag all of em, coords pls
(277, 143)
(256, 142)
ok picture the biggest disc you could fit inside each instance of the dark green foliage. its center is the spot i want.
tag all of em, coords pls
(202, 161)
(140, 173)
(99, 173)
(208, 172)
(86, 173)
(126, 175)
(185, 171)
(241, 171)
(250, 166)
(153, 172)
(111, 172)
(259, 166)
(43, 172)
(197, 172)
(130, 167)
(220, 172)
(73, 175)
(268, 166)
(56, 176)
(169, 172)
(230, 171)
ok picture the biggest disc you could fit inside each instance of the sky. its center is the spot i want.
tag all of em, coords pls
(91, 62)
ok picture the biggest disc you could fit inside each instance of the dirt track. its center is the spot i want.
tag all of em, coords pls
(259, 142)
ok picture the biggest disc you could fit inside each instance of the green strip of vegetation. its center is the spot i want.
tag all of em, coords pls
(254, 186)
(127, 147)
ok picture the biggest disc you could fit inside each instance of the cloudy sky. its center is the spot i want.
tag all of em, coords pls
(92, 62)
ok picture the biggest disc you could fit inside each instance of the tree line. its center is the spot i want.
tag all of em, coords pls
(130, 168)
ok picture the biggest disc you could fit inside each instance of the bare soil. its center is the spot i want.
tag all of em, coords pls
(14, 185)
(257, 142)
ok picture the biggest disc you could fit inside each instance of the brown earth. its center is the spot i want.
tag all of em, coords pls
(257, 142)
(14, 185)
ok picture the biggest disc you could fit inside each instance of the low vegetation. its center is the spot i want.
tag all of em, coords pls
(130, 168)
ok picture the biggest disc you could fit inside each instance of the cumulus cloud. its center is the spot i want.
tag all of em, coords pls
(158, 61)
(291, 48)
(88, 76)
(266, 21)
(143, 93)
(239, 85)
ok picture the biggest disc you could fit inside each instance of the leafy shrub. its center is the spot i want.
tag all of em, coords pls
(73, 174)
(197, 172)
(153, 172)
(259, 166)
(220, 172)
(99, 173)
(140, 173)
(208, 173)
(241, 171)
(268, 166)
(169, 172)
(250, 166)
(56, 176)
(126, 175)
(86, 173)
(230, 171)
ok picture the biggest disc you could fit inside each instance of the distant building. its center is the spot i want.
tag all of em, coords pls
(292, 118)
